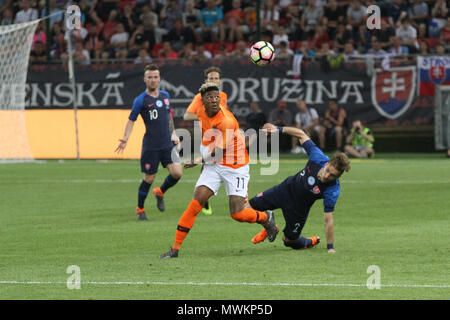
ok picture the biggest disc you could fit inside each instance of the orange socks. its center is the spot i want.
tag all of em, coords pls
(250, 215)
(186, 223)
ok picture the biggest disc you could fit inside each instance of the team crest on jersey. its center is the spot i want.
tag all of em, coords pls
(159, 103)
(393, 90)
(311, 181)
(315, 190)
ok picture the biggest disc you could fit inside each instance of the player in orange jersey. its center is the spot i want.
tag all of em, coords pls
(214, 75)
(226, 161)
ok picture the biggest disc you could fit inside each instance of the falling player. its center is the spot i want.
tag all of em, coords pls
(226, 161)
(295, 195)
(157, 146)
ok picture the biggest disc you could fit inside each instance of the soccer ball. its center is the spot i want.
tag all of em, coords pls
(262, 53)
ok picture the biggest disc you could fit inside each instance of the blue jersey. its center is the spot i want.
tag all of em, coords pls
(156, 114)
(305, 188)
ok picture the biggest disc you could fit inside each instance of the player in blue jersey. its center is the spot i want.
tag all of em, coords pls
(296, 194)
(158, 143)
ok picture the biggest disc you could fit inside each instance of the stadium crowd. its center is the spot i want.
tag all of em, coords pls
(143, 30)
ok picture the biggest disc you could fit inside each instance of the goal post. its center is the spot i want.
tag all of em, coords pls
(15, 46)
(442, 117)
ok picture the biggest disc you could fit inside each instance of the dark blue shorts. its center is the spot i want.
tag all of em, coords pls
(150, 159)
(277, 197)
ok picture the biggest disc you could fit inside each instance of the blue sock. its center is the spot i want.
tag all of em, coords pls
(142, 193)
(168, 183)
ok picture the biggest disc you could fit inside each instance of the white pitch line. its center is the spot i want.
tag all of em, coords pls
(258, 284)
(252, 180)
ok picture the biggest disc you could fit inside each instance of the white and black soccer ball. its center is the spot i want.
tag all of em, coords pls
(262, 53)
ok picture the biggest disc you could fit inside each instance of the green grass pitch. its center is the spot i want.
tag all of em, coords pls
(393, 213)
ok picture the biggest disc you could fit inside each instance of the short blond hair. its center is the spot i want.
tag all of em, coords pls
(208, 86)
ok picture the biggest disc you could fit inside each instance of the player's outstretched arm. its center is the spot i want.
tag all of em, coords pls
(329, 230)
(295, 132)
(126, 135)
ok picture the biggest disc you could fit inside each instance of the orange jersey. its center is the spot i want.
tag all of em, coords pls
(231, 140)
(196, 103)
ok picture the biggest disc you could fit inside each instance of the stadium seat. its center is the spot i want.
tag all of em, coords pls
(155, 50)
(432, 42)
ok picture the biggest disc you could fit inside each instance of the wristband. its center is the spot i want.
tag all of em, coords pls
(330, 246)
(280, 129)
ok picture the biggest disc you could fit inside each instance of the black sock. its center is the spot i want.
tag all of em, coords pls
(206, 206)
(168, 183)
(142, 193)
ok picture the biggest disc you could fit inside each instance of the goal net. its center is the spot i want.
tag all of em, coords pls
(15, 46)
(442, 117)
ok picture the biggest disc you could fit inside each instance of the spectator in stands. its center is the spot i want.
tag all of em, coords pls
(95, 42)
(27, 13)
(223, 53)
(376, 49)
(4, 5)
(438, 16)
(312, 14)
(279, 36)
(362, 38)
(167, 52)
(424, 49)
(152, 31)
(170, 12)
(281, 116)
(335, 122)
(419, 13)
(119, 42)
(7, 17)
(40, 34)
(38, 55)
(293, 24)
(235, 22)
(186, 52)
(445, 32)
(269, 15)
(58, 44)
(407, 35)
(320, 36)
(211, 26)
(103, 8)
(359, 142)
(397, 48)
(306, 50)
(242, 50)
(178, 36)
(307, 119)
(343, 35)
(80, 54)
(333, 15)
(143, 57)
(356, 14)
(191, 18)
(128, 19)
(56, 14)
(349, 52)
(440, 48)
(109, 27)
(283, 51)
(397, 10)
(384, 34)
(200, 52)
